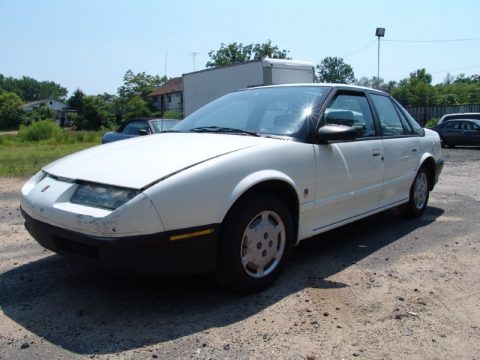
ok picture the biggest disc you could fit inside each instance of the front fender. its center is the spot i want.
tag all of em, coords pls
(250, 181)
(203, 194)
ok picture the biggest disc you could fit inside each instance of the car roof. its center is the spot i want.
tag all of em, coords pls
(465, 113)
(165, 119)
(148, 119)
(332, 85)
(460, 114)
(475, 121)
(466, 119)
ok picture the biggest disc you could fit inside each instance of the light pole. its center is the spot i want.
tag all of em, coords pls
(380, 32)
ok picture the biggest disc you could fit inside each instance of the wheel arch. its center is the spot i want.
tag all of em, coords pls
(280, 187)
(429, 164)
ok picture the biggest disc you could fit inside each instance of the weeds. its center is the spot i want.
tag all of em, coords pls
(20, 156)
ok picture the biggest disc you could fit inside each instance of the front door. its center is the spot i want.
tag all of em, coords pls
(349, 174)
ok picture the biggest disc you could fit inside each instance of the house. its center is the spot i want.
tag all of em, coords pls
(169, 96)
(62, 111)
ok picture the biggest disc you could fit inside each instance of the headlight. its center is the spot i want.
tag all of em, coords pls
(102, 196)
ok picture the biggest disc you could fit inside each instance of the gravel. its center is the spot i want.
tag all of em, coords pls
(383, 287)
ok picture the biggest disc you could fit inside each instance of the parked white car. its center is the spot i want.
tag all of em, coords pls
(236, 184)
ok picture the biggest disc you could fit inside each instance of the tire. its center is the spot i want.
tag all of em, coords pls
(255, 242)
(419, 193)
(442, 142)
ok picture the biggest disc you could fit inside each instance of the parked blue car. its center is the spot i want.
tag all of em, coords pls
(459, 132)
(139, 127)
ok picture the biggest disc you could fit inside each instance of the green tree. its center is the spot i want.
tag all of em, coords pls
(335, 70)
(416, 90)
(376, 83)
(173, 114)
(261, 51)
(136, 107)
(96, 113)
(30, 89)
(11, 112)
(8, 84)
(229, 54)
(462, 78)
(42, 112)
(421, 75)
(237, 52)
(446, 99)
(76, 100)
(118, 106)
(140, 84)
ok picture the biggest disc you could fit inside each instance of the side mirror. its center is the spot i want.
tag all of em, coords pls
(142, 132)
(334, 132)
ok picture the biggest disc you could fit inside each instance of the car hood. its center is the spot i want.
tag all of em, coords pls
(138, 162)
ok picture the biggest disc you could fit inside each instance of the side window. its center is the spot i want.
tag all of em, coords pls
(406, 125)
(390, 122)
(351, 110)
(417, 129)
(452, 125)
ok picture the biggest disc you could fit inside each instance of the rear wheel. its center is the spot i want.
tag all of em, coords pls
(419, 193)
(256, 241)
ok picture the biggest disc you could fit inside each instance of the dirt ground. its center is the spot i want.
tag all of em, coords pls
(381, 288)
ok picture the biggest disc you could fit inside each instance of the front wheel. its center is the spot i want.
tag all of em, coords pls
(419, 193)
(442, 142)
(256, 241)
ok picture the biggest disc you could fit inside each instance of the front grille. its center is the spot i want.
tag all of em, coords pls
(75, 247)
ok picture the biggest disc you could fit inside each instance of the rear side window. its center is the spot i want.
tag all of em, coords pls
(467, 125)
(390, 121)
(417, 129)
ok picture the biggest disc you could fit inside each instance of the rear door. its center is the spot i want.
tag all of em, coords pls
(401, 151)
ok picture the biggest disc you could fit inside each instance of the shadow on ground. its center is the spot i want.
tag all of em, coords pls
(87, 311)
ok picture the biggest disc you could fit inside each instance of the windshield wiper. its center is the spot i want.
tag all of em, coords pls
(220, 129)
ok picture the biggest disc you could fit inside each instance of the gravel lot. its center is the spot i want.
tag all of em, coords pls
(382, 288)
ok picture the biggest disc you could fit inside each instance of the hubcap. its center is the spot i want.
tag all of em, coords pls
(263, 244)
(420, 190)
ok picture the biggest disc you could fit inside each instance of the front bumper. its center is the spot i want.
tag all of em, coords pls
(191, 250)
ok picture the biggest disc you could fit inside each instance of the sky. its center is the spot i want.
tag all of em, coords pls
(90, 44)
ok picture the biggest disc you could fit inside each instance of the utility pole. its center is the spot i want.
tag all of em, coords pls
(194, 54)
(166, 58)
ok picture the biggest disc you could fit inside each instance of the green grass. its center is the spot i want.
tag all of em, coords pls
(431, 123)
(24, 158)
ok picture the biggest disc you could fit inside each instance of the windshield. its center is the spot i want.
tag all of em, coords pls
(164, 124)
(285, 111)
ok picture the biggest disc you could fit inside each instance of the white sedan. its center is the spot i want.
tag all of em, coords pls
(237, 184)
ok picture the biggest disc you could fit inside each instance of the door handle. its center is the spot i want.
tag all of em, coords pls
(414, 149)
